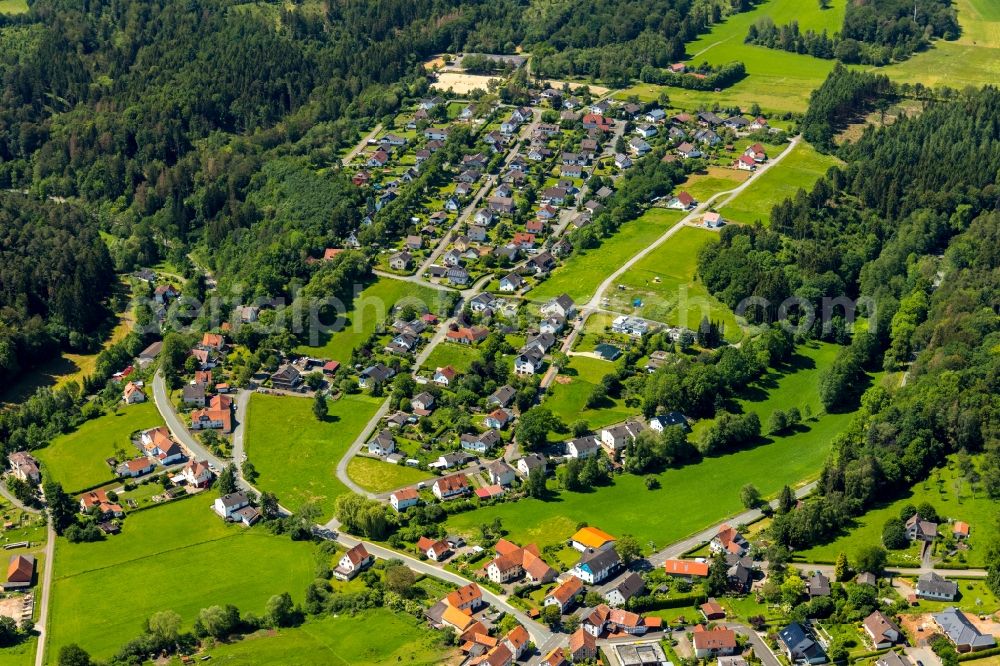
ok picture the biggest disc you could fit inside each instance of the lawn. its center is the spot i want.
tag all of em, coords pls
(948, 492)
(666, 283)
(379, 477)
(22, 654)
(369, 309)
(334, 640)
(702, 186)
(584, 272)
(624, 507)
(568, 400)
(178, 557)
(297, 455)
(458, 356)
(799, 169)
(77, 459)
(778, 81)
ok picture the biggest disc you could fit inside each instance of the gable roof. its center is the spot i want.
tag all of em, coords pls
(961, 631)
(718, 639)
(568, 589)
(464, 595)
(358, 554)
(878, 625)
(591, 537)
(686, 568)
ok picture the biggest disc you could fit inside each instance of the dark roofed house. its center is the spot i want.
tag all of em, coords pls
(963, 633)
(932, 586)
(918, 529)
(799, 646)
(286, 378)
(818, 586)
(618, 594)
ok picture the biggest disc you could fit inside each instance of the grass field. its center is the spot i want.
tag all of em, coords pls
(369, 309)
(458, 356)
(336, 640)
(624, 508)
(295, 454)
(972, 60)
(178, 557)
(800, 169)
(702, 186)
(583, 273)
(777, 80)
(13, 6)
(665, 280)
(77, 459)
(379, 477)
(568, 401)
(948, 492)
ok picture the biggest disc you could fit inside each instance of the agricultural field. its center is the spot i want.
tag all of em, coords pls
(380, 477)
(336, 640)
(568, 393)
(666, 279)
(295, 454)
(950, 493)
(583, 272)
(799, 169)
(369, 309)
(23, 526)
(77, 459)
(175, 557)
(461, 83)
(458, 356)
(778, 81)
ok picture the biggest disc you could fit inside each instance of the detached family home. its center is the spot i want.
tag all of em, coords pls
(353, 562)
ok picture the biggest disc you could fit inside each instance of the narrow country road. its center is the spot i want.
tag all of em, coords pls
(361, 144)
(43, 611)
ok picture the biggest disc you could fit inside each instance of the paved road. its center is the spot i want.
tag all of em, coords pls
(540, 634)
(46, 594)
(760, 647)
(177, 428)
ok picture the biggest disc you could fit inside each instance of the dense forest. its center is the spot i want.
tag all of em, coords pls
(875, 33)
(55, 274)
(905, 225)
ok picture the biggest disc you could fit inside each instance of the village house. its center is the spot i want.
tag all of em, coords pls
(286, 378)
(197, 474)
(530, 462)
(404, 499)
(565, 594)
(715, 643)
(448, 487)
(99, 499)
(932, 586)
(582, 447)
(445, 376)
(158, 444)
(500, 473)
(597, 565)
(918, 529)
(561, 305)
(683, 201)
(433, 550)
(529, 362)
(212, 419)
(712, 611)
(133, 394)
(818, 585)
(382, 444)
(614, 439)
(623, 161)
(686, 569)
(353, 562)
(24, 467)
(400, 261)
(20, 572)
(480, 443)
(375, 374)
(134, 468)
(729, 540)
(631, 326)
(883, 632)
(799, 646)
(511, 283)
(617, 594)
(964, 635)
(582, 646)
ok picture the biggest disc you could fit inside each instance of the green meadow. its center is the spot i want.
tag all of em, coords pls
(567, 395)
(583, 272)
(380, 477)
(295, 454)
(665, 281)
(458, 356)
(76, 460)
(341, 640)
(799, 169)
(950, 493)
(369, 309)
(778, 81)
(178, 557)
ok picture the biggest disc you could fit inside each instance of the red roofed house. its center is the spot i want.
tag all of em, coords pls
(711, 644)
(489, 492)
(213, 341)
(582, 646)
(516, 641)
(960, 530)
(745, 163)
(197, 473)
(133, 394)
(524, 240)
(467, 336)
(135, 467)
(467, 598)
(353, 562)
(99, 498)
(445, 376)
(436, 551)
(212, 419)
(20, 572)
(712, 610)
(756, 152)
(566, 594)
(447, 487)
(686, 568)
(403, 499)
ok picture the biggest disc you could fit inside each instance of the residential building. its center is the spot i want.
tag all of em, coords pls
(932, 586)
(286, 378)
(503, 396)
(799, 646)
(382, 444)
(448, 487)
(133, 394)
(619, 593)
(24, 466)
(561, 305)
(467, 598)
(595, 566)
(884, 633)
(962, 632)
(918, 529)
(712, 644)
(615, 438)
(582, 447)
(529, 362)
(353, 562)
(687, 569)
(434, 550)
(197, 473)
(631, 326)
(818, 585)
(227, 505)
(532, 461)
(134, 468)
(403, 499)
(565, 594)
(729, 540)
(582, 646)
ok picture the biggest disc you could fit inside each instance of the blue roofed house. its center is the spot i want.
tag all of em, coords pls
(799, 646)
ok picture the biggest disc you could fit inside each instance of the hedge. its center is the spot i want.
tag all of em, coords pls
(982, 654)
